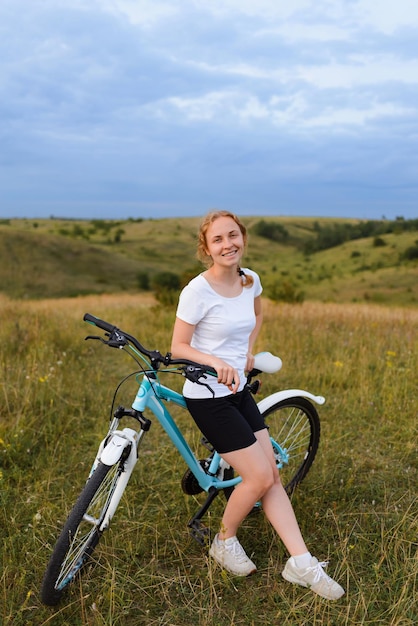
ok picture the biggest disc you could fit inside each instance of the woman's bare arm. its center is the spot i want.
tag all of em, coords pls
(181, 349)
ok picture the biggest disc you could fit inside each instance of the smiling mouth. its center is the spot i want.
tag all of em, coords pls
(230, 253)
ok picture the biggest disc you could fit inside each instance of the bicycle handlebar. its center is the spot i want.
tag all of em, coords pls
(118, 338)
(91, 319)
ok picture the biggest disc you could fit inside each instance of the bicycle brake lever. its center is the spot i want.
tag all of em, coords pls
(95, 337)
(198, 382)
(194, 374)
(113, 343)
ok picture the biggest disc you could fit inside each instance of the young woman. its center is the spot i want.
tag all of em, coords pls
(218, 319)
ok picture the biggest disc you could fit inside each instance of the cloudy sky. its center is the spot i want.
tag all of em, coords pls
(151, 108)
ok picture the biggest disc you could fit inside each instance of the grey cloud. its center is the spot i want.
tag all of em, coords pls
(185, 104)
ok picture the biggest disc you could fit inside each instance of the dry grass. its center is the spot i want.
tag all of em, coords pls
(358, 505)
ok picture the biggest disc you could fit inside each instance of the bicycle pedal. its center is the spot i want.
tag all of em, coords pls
(200, 533)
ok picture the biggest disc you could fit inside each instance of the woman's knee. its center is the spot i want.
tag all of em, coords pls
(264, 480)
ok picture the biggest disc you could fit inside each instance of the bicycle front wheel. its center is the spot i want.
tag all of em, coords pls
(81, 532)
(294, 424)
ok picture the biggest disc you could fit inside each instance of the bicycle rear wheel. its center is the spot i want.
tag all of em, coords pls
(81, 533)
(294, 424)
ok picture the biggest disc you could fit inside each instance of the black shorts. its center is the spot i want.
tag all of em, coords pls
(228, 423)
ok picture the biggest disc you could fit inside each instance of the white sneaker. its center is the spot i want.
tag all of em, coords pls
(231, 555)
(314, 578)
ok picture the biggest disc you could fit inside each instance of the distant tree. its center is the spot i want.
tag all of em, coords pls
(411, 253)
(166, 280)
(286, 291)
(143, 281)
(118, 235)
(103, 226)
(188, 274)
(166, 286)
(329, 236)
(271, 230)
(79, 232)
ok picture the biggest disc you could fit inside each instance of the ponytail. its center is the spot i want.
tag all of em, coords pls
(246, 280)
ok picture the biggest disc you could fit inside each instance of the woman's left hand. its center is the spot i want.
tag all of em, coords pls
(250, 362)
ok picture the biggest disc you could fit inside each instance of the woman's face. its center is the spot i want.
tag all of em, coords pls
(224, 242)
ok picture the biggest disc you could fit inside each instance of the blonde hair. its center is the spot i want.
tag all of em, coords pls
(201, 252)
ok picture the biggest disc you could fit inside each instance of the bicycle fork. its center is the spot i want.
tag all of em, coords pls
(119, 447)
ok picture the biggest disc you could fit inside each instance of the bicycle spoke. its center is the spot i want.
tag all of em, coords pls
(294, 425)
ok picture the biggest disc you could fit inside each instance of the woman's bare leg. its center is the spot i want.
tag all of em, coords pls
(278, 508)
(261, 481)
(257, 477)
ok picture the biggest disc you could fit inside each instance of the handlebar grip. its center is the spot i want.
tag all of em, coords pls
(96, 321)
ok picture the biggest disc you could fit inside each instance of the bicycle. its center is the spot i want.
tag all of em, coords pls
(294, 428)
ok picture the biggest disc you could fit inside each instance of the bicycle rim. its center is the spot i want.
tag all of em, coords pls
(81, 532)
(294, 424)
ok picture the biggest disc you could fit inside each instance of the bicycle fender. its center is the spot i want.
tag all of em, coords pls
(114, 448)
(266, 403)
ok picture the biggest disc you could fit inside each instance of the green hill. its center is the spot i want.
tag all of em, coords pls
(297, 258)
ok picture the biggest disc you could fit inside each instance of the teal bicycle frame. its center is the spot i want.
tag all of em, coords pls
(125, 443)
(152, 395)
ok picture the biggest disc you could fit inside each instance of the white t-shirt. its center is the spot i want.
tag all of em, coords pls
(222, 328)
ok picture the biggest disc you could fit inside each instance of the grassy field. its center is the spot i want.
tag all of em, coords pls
(357, 506)
(60, 258)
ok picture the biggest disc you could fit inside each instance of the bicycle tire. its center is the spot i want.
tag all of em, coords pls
(228, 475)
(294, 424)
(80, 536)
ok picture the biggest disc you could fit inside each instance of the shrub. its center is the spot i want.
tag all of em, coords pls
(411, 253)
(166, 286)
(286, 291)
(271, 230)
(143, 281)
(166, 280)
(118, 235)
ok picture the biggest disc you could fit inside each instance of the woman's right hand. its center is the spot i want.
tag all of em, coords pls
(181, 349)
(227, 375)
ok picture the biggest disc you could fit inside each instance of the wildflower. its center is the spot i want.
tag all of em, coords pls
(338, 364)
(389, 356)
